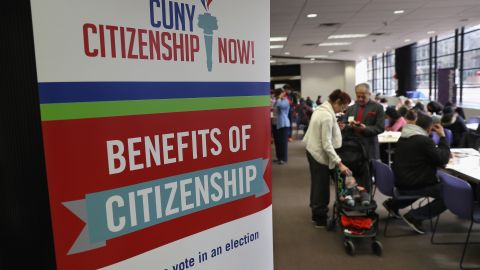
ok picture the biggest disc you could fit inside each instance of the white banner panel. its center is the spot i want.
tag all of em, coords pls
(60, 51)
(156, 130)
(226, 247)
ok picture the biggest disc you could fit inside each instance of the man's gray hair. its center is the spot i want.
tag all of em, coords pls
(366, 85)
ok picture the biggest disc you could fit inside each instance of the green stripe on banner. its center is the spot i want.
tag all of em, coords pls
(81, 110)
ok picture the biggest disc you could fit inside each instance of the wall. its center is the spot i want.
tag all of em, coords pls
(323, 78)
(350, 78)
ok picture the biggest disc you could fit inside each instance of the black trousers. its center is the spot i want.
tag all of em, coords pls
(436, 207)
(276, 141)
(282, 153)
(319, 189)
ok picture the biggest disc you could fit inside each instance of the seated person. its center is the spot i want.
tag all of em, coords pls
(434, 108)
(352, 193)
(455, 108)
(402, 111)
(384, 103)
(415, 167)
(419, 107)
(411, 117)
(457, 125)
(395, 120)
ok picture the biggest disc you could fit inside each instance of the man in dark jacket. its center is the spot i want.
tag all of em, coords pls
(366, 119)
(415, 167)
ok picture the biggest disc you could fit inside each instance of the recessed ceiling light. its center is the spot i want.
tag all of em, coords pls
(275, 39)
(316, 56)
(407, 40)
(286, 53)
(334, 44)
(347, 36)
(431, 32)
(276, 46)
(401, 11)
(331, 51)
(313, 15)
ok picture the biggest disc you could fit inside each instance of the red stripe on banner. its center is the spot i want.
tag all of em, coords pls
(77, 164)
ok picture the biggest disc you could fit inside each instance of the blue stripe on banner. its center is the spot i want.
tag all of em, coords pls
(63, 92)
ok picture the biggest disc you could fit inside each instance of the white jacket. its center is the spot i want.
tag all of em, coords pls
(324, 136)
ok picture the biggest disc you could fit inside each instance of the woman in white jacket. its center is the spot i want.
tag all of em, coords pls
(322, 138)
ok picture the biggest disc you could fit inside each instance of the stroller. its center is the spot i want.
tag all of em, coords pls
(354, 207)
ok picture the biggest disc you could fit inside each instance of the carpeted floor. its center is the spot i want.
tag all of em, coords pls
(299, 245)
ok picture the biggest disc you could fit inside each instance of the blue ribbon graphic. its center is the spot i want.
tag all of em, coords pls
(113, 213)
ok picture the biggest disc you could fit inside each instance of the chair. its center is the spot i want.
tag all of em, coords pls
(473, 119)
(448, 136)
(435, 138)
(385, 182)
(458, 198)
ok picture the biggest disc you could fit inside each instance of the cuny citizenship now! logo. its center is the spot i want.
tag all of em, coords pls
(173, 38)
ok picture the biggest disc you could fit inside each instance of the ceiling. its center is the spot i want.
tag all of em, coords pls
(288, 18)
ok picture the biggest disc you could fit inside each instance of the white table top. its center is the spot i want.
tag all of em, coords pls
(465, 161)
(389, 136)
(472, 126)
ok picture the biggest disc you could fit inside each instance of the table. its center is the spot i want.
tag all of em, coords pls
(389, 137)
(472, 126)
(465, 163)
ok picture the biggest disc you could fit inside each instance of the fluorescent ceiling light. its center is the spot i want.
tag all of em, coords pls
(316, 56)
(276, 47)
(399, 11)
(331, 51)
(334, 44)
(273, 61)
(347, 36)
(275, 39)
(286, 53)
(407, 40)
(431, 32)
(312, 59)
(313, 15)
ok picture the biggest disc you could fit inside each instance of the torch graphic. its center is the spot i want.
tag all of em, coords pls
(208, 23)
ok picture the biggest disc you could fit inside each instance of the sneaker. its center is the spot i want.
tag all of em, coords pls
(281, 162)
(394, 213)
(416, 225)
(321, 222)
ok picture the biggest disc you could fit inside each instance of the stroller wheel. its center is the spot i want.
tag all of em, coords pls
(349, 247)
(331, 224)
(377, 248)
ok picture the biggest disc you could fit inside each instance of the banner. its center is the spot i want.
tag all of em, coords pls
(447, 89)
(155, 119)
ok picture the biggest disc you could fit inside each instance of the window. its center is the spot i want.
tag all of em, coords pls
(382, 72)
(390, 82)
(447, 61)
(470, 73)
(430, 55)
(370, 71)
(422, 64)
(446, 46)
